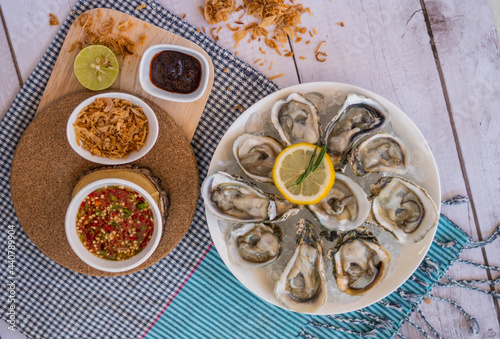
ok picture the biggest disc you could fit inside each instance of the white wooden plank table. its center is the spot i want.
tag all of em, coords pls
(437, 60)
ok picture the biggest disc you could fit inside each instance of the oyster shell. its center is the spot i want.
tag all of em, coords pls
(302, 285)
(359, 261)
(380, 152)
(296, 120)
(356, 119)
(233, 199)
(403, 209)
(254, 245)
(345, 207)
(256, 155)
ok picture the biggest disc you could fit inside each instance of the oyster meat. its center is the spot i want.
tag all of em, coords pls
(380, 152)
(359, 261)
(359, 117)
(296, 120)
(254, 245)
(256, 155)
(345, 207)
(403, 209)
(233, 199)
(302, 285)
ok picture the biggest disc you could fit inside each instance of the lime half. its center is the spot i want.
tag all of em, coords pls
(96, 67)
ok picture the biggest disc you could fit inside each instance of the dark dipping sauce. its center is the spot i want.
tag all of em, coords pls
(175, 72)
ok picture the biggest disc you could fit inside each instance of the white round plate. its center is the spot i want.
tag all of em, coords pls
(425, 174)
(150, 140)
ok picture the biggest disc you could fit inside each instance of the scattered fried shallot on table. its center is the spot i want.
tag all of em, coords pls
(276, 76)
(53, 21)
(216, 11)
(103, 34)
(285, 18)
(320, 54)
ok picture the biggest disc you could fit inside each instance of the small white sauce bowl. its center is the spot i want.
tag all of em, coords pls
(148, 86)
(150, 140)
(105, 264)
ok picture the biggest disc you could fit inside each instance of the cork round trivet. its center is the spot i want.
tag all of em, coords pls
(45, 170)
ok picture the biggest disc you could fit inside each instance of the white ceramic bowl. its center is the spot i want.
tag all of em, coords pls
(104, 264)
(148, 86)
(150, 140)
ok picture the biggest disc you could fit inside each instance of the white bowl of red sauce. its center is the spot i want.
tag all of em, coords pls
(113, 225)
(86, 147)
(174, 73)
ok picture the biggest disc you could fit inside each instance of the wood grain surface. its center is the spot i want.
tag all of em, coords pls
(10, 81)
(435, 59)
(45, 170)
(63, 81)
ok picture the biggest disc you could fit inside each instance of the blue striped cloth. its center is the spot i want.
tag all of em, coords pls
(177, 297)
(214, 303)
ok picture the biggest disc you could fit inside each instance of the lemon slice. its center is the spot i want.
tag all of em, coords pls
(96, 67)
(291, 163)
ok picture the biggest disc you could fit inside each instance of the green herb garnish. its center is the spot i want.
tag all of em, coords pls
(142, 205)
(313, 165)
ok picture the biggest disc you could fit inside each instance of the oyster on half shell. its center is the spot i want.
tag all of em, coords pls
(345, 207)
(233, 199)
(403, 209)
(359, 117)
(256, 155)
(302, 285)
(254, 245)
(296, 120)
(359, 261)
(380, 152)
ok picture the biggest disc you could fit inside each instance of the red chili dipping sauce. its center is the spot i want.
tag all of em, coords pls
(114, 223)
(175, 72)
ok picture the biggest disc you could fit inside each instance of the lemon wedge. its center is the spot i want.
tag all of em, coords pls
(291, 163)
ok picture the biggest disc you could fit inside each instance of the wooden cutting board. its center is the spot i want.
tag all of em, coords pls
(63, 81)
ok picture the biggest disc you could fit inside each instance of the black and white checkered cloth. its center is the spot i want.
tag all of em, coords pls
(54, 302)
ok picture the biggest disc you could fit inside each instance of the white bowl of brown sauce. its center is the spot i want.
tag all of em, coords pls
(173, 73)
